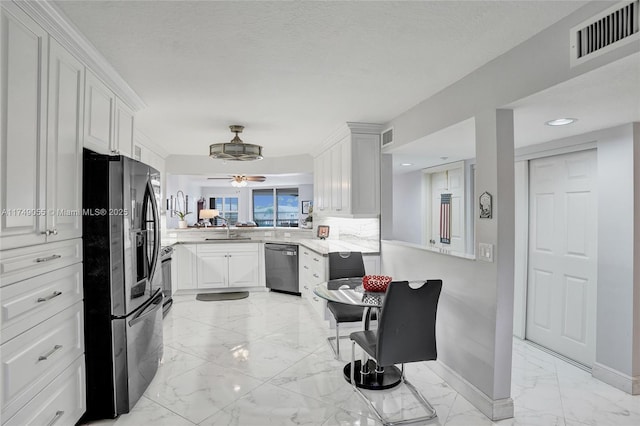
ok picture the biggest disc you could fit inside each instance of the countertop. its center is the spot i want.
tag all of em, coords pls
(322, 247)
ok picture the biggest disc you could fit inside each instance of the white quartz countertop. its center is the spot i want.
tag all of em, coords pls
(322, 247)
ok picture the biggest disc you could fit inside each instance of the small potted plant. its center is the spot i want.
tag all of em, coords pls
(181, 211)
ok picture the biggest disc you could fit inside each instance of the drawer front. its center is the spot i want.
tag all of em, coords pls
(20, 264)
(33, 359)
(62, 402)
(228, 248)
(28, 303)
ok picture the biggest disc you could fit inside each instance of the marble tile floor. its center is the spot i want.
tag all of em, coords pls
(264, 361)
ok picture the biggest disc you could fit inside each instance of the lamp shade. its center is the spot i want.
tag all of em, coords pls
(208, 213)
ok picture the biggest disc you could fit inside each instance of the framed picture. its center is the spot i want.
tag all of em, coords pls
(305, 207)
(323, 231)
(486, 206)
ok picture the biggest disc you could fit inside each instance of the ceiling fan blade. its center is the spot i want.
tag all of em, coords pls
(256, 178)
(225, 178)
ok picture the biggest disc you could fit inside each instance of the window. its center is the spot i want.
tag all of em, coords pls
(276, 207)
(227, 208)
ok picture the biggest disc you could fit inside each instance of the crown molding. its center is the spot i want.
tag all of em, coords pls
(347, 129)
(53, 21)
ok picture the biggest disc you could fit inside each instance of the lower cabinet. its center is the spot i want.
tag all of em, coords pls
(42, 379)
(61, 402)
(219, 266)
(313, 269)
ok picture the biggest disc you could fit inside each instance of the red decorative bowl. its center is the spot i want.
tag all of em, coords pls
(377, 283)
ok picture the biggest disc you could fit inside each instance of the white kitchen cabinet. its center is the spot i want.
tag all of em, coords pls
(313, 269)
(64, 144)
(213, 268)
(123, 144)
(23, 167)
(348, 173)
(42, 176)
(98, 115)
(186, 264)
(228, 265)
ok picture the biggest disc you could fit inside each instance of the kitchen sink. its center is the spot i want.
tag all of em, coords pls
(228, 239)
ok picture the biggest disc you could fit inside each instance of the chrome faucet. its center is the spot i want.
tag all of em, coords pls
(226, 222)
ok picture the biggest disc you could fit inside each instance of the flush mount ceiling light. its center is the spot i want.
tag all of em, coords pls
(561, 121)
(235, 150)
(406, 164)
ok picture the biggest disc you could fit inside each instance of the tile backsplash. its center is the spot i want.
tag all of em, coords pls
(362, 231)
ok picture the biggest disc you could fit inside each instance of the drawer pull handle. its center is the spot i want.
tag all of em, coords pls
(46, 259)
(48, 354)
(316, 275)
(51, 296)
(315, 298)
(55, 418)
(305, 267)
(306, 288)
(316, 259)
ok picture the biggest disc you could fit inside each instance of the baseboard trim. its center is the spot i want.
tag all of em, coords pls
(498, 409)
(615, 378)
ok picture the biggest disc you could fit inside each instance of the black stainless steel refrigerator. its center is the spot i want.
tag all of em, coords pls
(122, 282)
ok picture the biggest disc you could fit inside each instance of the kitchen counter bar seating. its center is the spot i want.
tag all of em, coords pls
(406, 333)
(344, 265)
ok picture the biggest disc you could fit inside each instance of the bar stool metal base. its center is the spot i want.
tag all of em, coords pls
(391, 377)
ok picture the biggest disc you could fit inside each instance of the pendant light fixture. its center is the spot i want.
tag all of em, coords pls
(236, 149)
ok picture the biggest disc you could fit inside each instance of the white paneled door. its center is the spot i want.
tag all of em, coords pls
(561, 289)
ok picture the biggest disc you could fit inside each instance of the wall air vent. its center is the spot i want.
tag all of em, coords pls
(605, 32)
(387, 137)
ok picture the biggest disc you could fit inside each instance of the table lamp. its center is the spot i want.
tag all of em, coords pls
(208, 214)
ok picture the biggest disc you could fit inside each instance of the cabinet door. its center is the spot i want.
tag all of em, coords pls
(23, 123)
(318, 184)
(336, 177)
(64, 144)
(186, 261)
(365, 174)
(243, 269)
(212, 270)
(98, 115)
(124, 129)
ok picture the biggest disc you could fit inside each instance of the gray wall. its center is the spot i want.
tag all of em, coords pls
(408, 220)
(618, 324)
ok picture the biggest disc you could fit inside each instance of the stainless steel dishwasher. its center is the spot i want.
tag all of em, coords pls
(281, 263)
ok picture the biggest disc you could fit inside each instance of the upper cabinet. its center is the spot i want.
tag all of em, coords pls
(64, 144)
(124, 129)
(108, 127)
(347, 173)
(99, 116)
(23, 57)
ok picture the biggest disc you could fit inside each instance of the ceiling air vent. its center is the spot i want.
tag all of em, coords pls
(387, 137)
(604, 32)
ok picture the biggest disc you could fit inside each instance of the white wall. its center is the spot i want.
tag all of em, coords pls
(409, 220)
(618, 310)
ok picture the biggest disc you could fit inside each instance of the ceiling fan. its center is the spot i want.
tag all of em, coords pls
(241, 180)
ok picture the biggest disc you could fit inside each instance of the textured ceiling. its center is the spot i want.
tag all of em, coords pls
(292, 72)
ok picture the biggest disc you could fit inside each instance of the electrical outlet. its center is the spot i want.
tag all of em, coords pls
(287, 234)
(486, 252)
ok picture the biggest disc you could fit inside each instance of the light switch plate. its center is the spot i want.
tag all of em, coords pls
(485, 251)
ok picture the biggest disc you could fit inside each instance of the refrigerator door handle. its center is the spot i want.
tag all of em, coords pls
(141, 317)
(156, 233)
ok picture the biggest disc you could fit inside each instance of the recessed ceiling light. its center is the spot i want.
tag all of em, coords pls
(444, 158)
(561, 121)
(406, 164)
